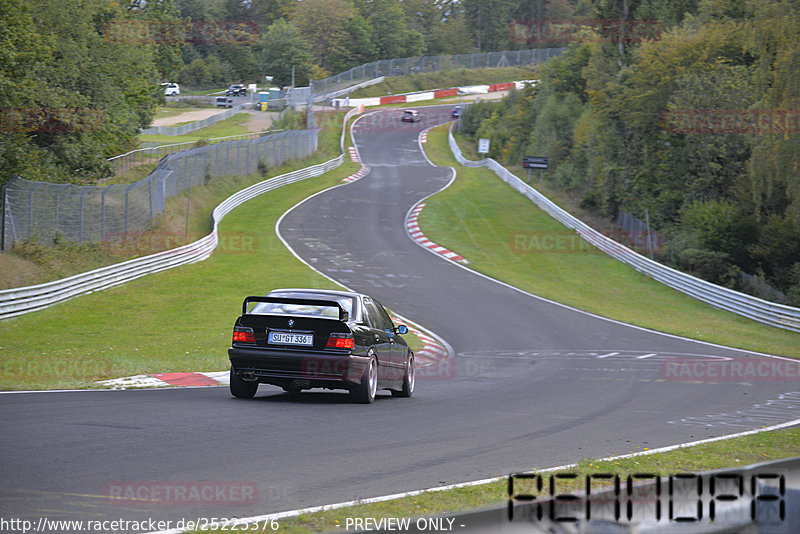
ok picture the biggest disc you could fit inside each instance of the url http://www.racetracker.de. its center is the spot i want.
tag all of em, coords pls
(44, 524)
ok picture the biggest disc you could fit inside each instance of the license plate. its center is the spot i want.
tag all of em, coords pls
(287, 338)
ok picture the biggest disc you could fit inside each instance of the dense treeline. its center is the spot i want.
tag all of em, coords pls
(700, 129)
(68, 98)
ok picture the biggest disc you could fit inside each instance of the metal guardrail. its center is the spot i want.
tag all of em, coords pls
(771, 313)
(19, 301)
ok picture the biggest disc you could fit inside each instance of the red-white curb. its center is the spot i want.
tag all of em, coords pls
(412, 226)
(353, 153)
(216, 378)
(360, 174)
(431, 353)
(423, 137)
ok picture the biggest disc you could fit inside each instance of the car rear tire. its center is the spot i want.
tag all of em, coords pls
(409, 379)
(365, 393)
(240, 388)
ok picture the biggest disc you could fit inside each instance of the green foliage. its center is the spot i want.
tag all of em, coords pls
(290, 120)
(710, 265)
(643, 126)
(283, 47)
(61, 63)
(474, 114)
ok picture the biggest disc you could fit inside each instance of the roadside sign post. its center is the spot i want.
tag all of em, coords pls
(483, 146)
(534, 162)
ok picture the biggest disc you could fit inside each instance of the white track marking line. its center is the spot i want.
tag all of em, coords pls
(610, 354)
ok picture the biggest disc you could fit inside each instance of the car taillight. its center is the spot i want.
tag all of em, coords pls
(341, 341)
(242, 334)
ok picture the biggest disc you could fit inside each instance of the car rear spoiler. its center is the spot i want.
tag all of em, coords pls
(343, 315)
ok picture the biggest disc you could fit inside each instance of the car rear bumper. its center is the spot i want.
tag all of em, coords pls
(284, 367)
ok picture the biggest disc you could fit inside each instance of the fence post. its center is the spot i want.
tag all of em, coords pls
(30, 209)
(127, 211)
(103, 213)
(80, 225)
(3, 222)
(150, 194)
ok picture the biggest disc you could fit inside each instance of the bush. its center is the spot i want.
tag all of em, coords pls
(474, 114)
(715, 267)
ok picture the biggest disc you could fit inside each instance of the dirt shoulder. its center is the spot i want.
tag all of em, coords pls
(189, 116)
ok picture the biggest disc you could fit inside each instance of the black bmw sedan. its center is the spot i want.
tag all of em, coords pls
(300, 339)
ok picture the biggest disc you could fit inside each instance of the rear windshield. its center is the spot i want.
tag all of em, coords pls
(305, 309)
(271, 308)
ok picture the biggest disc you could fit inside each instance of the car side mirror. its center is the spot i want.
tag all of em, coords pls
(401, 329)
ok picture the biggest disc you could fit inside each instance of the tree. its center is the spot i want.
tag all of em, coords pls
(391, 35)
(283, 47)
(323, 23)
(489, 21)
(95, 91)
(358, 46)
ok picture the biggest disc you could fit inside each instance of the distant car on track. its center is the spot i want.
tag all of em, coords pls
(171, 89)
(223, 102)
(236, 89)
(313, 338)
(410, 115)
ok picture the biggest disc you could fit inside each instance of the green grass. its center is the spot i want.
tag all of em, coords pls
(139, 172)
(736, 452)
(507, 237)
(230, 126)
(442, 80)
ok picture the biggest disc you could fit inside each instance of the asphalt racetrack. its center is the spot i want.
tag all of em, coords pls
(530, 384)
